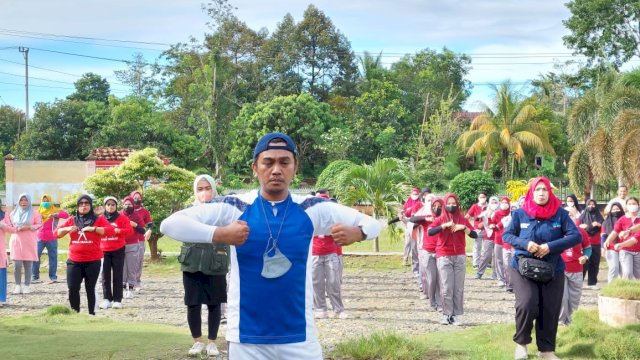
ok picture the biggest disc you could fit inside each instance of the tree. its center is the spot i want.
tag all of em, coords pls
(300, 116)
(10, 120)
(604, 30)
(333, 174)
(468, 184)
(506, 131)
(91, 87)
(175, 186)
(381, 185)
(597, 121)
(61, 130)
(139, 75)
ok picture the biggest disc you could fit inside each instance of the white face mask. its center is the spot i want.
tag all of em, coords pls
(504, 206)
(415, 197)
(493, 207)
(482, 201)
(632, 208)
(570, 204)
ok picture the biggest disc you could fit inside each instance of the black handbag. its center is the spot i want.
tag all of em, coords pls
(535, 269)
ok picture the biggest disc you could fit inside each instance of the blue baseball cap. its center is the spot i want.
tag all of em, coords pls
(263, 144)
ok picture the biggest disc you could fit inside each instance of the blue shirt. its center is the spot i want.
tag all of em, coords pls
(559, 232)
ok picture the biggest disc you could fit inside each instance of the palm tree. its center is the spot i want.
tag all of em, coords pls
(506, 131)
(605, 117)
(381, 184)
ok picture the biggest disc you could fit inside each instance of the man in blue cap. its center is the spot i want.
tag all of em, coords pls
(270, 298)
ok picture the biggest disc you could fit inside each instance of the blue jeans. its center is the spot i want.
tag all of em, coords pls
(52, 251)
(3, 285)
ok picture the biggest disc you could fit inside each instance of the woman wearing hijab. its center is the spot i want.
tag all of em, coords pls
(47, 239)
(628, 243)
(85, 230)
(410, 255)
(591, 221)
(540, 229)
(486, 254)
(4, 263)
(113, 248)
(132, 247)
(616, 211)
(497, 226)
(428, 267)
(451, 258)
(145, 215)
(202, 285)
(23, 223)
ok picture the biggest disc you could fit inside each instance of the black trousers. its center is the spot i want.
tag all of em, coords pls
(76, 272)
(540, 303)
(113, 263)
(593, 265)
(195, 321)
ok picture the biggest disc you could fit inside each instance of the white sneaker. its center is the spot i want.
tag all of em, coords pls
(321, 315)
(342, 315)
(26, 290)
(423, 297)
(445, 320)
(105, 304)
(593, 287)
(500, 284)
(212, 349)
(17, 290)
(128, 294)
(521, 352)
(456, 321)
(116, 305)
(548, 355)
(197, 348)
(137, 289)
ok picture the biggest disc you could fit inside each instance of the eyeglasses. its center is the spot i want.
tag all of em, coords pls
(84, 203)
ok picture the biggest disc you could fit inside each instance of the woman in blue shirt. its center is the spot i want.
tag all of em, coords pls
(541, 229)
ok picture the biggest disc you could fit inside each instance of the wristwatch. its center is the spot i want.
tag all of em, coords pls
(364, 235)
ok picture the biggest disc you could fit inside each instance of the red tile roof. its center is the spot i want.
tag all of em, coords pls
(109, 153)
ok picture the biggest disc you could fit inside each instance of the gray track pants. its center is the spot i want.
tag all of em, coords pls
(325, 271)
(498, 262)
(451, 270)
(485, 256)
(477, 248)
(411, 252)
(141, 249)
(507, 257)
(629, 264)
(613, 263)
(28, 269)
(571, 297)
(429, 278)
(130, 264)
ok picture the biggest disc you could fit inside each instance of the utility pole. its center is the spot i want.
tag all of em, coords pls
(25, 52)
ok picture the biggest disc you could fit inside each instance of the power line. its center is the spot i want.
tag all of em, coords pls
(86, 37)
(82, 42)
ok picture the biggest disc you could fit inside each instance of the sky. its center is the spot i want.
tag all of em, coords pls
(506, 39)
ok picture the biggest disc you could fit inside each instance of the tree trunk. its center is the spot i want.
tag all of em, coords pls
(153, 246)
(376, 245)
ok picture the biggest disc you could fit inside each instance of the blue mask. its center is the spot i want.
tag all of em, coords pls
(46, 204)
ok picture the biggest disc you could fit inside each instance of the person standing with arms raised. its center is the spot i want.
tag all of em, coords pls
(539, 230)
(270, 313)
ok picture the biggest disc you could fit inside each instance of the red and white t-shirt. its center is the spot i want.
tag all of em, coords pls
(623, 224)
(571, 256)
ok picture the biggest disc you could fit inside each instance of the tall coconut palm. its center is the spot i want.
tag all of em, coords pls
(381, 184)
(597, 122)
(508, 130)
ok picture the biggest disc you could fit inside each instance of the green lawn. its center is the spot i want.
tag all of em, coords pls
(586, 338)
(80, 336)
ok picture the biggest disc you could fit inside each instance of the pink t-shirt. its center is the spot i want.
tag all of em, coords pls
(46, 231)
(23, 244)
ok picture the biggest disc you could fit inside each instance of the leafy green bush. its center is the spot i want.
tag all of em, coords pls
(383, 346)
(623, 289)
(330, 176)
(59, 309)
(619, 344)
(468, 184)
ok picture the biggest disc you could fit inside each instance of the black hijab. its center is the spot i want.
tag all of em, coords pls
(88, 219)
(611, 220)
(588, 218)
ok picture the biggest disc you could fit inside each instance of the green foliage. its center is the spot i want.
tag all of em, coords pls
(299, 116)
(10, 120)
(604, 31)
(622, 288)
(468, 184)
(330, 176)
(617, 345)
(59, 310)
(91, 87)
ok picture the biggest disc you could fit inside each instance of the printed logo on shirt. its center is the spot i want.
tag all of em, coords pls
(555, 225)
(524, 225)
